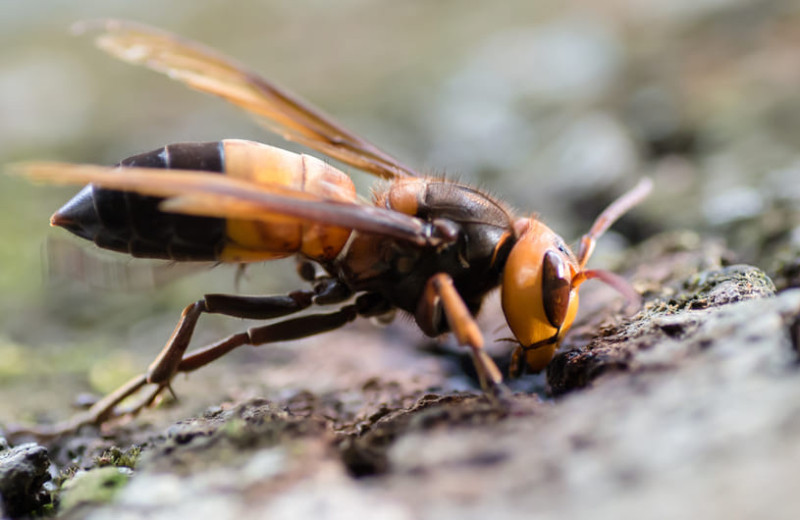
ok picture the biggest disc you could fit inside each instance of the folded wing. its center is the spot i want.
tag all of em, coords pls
(209, 194)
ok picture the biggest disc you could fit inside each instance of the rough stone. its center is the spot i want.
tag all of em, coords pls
(23, 472)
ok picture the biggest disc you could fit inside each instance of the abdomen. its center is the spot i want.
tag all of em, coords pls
(131, 223)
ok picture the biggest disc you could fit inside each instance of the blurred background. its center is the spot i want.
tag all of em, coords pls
(556, 107)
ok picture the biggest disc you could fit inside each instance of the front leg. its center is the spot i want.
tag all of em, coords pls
(440, 296)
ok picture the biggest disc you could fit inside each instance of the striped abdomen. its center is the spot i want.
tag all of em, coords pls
(134, 224)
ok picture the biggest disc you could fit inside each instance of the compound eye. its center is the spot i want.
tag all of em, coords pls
(555, 288)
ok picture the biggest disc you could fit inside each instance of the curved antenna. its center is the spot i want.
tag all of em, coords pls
(610, 215)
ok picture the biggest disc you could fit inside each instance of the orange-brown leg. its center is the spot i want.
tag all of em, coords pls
(440, 296)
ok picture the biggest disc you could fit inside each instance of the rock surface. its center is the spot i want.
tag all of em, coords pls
(689, 407)
(23, 472)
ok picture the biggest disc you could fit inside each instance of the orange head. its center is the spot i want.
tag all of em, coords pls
(541, 280)
(539, 292)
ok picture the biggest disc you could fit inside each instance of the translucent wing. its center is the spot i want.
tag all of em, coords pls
(209, 194)
(208, 71)
(70, 262)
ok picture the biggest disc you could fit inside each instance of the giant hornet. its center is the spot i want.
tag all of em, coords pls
(428, 246)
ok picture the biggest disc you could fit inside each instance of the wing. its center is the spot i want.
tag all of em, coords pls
(206, 70)
(69, 262)
(209, 194)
